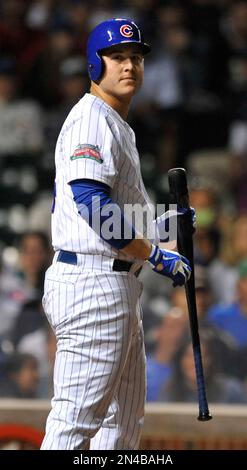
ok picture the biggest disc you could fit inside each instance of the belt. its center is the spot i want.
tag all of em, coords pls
(70, 257)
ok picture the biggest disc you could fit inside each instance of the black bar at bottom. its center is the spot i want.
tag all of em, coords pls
(110, 459)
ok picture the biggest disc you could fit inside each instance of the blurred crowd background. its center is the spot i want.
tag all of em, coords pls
(191, 112)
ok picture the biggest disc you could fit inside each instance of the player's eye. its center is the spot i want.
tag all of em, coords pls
(137, 59)
(117, 57)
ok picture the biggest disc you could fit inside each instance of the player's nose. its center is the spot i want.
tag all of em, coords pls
(128, 63)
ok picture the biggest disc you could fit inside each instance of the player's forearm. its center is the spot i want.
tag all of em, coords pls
(135, 245)
(139, 248)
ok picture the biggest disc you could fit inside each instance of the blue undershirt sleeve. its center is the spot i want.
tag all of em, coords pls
(104, 216)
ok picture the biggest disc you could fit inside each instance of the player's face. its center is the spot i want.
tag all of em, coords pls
(123, 72)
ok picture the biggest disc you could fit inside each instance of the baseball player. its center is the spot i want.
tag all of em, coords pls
(92, 289)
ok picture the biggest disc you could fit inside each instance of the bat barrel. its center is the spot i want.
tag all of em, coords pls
(178, 187)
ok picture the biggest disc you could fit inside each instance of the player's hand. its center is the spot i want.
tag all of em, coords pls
(162, 223)
(171, 264)
(192, 212)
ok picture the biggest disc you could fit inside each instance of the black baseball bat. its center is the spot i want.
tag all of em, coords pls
(180, 196)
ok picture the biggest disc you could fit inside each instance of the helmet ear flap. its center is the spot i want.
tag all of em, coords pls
(96, 70)
(102, 68)
(95, 67)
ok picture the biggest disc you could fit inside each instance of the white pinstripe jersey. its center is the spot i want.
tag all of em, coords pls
(93, 124)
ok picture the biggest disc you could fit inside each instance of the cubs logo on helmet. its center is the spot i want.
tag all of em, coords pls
(126, 30)
(107, 34)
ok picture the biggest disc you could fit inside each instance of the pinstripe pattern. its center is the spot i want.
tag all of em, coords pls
(99, 374)
(93, 122)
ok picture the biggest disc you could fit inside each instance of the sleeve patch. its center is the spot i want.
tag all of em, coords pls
(87, 151)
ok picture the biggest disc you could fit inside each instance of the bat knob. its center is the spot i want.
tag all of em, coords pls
(204, 416)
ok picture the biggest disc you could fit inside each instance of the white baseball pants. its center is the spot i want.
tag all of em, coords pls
(99, 373)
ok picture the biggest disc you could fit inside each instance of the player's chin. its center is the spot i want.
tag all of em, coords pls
(130, 87)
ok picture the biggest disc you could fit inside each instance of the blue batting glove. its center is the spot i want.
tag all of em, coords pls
(171, 264)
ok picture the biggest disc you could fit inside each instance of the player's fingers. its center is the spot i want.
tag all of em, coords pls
(185, 260)
(179, 280)
(187, 271)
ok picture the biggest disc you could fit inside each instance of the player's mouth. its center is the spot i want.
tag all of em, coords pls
(128, 78)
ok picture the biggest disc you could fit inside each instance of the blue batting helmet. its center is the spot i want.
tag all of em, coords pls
(107, 34)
